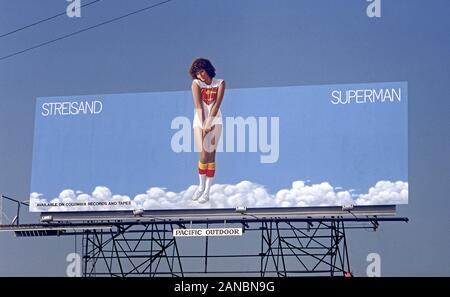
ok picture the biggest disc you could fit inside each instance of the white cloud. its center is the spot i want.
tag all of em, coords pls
(102, 193)
(385, 192)
(245, 193)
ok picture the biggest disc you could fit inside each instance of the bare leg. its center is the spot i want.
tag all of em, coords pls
(210, 143)
(215, 137)
(203, 160)
(199, 140)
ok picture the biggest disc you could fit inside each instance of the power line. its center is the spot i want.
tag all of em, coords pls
(83, 30)
(43, 20)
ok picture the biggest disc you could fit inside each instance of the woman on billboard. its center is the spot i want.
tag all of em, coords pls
(207, 92)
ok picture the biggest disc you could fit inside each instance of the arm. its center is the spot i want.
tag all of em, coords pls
(196, 95)
(216, 106)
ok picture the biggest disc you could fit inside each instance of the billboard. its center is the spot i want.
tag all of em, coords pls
(279, 147)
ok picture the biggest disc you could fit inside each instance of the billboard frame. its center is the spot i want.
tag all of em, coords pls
(196, 215)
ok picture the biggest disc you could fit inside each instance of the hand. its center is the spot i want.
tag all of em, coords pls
(206, 131)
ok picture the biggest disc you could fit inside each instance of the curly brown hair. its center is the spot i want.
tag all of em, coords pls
(199, 64)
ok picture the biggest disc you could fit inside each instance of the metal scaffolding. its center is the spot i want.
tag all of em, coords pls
(287, 248)
(270, 246)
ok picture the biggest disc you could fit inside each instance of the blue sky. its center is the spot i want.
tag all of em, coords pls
(253, 44)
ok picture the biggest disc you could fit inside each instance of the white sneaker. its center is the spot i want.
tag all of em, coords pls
(204, 198)
(198, 193)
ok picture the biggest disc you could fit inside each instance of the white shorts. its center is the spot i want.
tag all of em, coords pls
(216, 121)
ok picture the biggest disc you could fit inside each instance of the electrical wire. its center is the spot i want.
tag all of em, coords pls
(83, 30)
(44, 20)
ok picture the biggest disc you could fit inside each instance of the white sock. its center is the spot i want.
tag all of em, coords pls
(209, 181)
(202, 178)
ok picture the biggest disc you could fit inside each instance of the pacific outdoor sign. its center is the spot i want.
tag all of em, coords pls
(207, 232)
